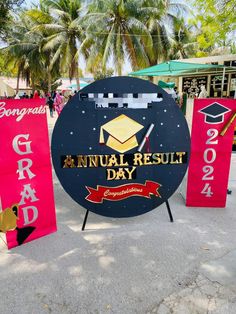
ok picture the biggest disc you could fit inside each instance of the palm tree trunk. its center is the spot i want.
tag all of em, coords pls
(49, 82)
(77, 75)
(33, 85)
(151, 78)
(183, 54)
(18, 81)
(77, 83)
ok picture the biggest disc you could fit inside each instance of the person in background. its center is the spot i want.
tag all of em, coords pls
(50, 104)
(25, 95)
(172, 92)
(63, 100)
(183, 100)
(58, 103)
(54, 93)
(36, 95)
(203, 93)
(47, 95)
(177, 97)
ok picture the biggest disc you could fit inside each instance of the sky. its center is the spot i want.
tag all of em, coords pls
(29, 2)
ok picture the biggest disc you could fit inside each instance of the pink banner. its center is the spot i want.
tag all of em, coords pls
(211, 148)
(26, 188)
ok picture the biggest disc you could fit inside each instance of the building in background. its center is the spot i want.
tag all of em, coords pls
(8, 87)
(212, 81)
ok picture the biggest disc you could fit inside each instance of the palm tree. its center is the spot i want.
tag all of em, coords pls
(37, 17)
(154, 13)
(183, 40)
(5, 7)
(22, 51)
(159, 17)
(64, 34)
(115, 31)
(25, 52)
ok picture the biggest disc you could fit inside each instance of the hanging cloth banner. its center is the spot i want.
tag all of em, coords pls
(26, 189)
(211, 148)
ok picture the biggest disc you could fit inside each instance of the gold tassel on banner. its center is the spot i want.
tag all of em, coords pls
(228, 124)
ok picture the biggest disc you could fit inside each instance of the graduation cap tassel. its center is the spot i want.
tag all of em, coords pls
(148, 147)
(228, 124)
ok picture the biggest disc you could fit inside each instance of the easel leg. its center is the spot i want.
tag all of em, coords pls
(169, 211)
(85, 220)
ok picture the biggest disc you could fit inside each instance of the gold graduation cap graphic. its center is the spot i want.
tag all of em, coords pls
(122, 132)
(8, 219)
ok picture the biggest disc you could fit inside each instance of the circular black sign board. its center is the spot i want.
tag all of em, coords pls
(120, 147)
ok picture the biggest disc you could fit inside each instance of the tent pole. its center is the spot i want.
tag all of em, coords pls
(222, 83)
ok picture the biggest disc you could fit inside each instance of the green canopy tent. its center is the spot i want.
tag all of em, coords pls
(163, 84)
(177, 68)
(81, 83)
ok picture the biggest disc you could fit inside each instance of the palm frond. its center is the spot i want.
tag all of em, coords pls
(53, 41)
(108, 46)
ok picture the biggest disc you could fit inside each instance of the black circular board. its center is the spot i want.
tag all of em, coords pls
(111, 117)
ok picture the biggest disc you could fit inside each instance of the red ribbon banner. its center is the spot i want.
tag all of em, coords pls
(123, 191)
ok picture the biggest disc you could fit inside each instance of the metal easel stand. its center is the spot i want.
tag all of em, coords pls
(85, 220)
(167, 206)
(169, 211)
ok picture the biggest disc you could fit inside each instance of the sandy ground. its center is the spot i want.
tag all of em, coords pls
(140, 265)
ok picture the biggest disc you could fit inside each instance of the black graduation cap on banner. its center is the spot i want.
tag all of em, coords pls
(214, 113)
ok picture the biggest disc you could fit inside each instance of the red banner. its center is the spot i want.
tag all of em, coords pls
(211, 148)
(122, 191)
(26, 188)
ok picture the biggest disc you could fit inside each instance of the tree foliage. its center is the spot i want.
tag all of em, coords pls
(62, 34)
(47, 41)
(183, 44)
(118, 31)
(100, 74)
(5, 7)
(217, 23)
